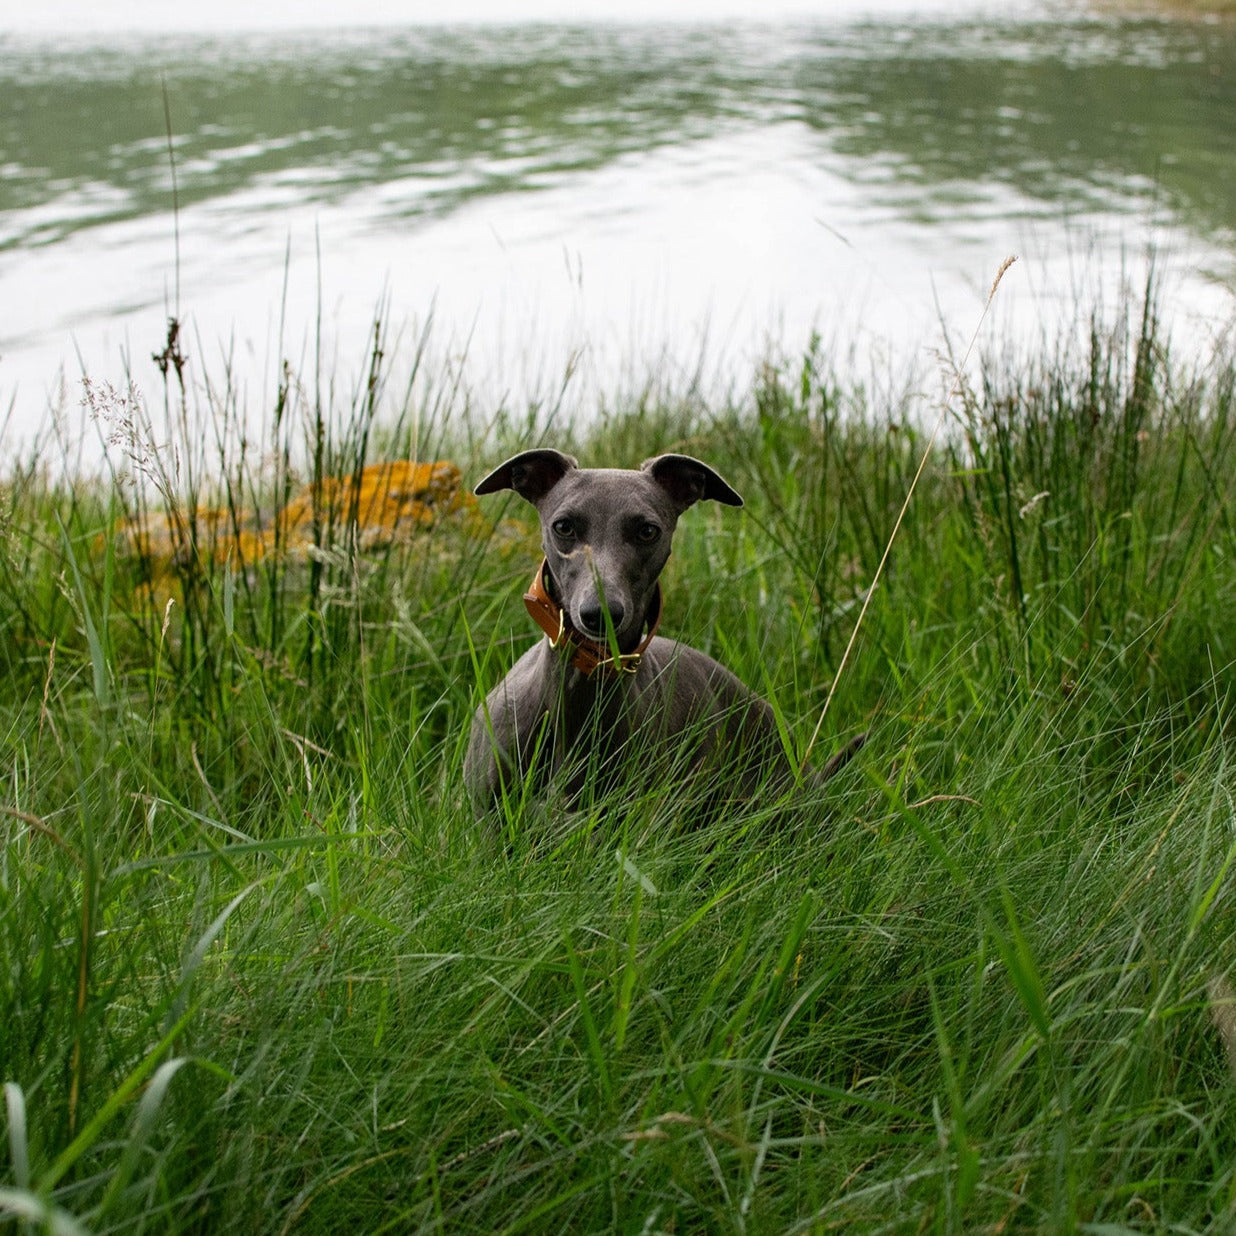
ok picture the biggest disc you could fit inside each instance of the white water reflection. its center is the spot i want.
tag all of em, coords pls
(585, 239)
(62, 17)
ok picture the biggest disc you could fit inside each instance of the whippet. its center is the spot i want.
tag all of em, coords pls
(603, 694)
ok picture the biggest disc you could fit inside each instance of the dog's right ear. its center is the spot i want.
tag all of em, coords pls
(531, 474)
(686, 480)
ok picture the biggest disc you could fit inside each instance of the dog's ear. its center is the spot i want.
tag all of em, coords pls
(531, 474)
(686, 480)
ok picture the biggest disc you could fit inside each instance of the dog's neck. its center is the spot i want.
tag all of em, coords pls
(587, 655)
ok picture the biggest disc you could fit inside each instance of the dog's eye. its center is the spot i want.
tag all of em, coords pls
(645, 534)
(564, 528)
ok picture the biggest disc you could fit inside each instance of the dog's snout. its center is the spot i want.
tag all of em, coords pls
(592, 617)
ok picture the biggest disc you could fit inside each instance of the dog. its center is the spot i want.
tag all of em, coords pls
(604, 696)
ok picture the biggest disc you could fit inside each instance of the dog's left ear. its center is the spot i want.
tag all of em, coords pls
(531, 474)
(686, 480)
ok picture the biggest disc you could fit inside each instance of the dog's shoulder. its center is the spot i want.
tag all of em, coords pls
(687, 671)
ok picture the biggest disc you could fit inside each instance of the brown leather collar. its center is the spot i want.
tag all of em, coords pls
(589, 655)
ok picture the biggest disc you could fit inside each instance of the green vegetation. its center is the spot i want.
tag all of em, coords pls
(260, 970)
(1191, 7)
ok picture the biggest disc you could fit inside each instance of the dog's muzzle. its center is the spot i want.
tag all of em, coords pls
(588, 655)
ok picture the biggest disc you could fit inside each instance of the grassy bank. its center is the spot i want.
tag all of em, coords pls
(263, 972)
(1185, 8)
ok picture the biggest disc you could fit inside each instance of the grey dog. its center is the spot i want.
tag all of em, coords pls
(603, 694)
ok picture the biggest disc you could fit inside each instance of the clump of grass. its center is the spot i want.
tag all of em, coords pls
(262, 969)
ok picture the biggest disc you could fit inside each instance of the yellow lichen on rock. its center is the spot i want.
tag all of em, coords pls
(385, 504)
(391, 502)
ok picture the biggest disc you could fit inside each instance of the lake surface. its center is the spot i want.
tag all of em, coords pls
(609, 201)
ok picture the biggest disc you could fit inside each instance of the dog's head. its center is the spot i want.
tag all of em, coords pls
(607, 531)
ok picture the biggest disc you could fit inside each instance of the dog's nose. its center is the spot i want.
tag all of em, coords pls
(592, 618)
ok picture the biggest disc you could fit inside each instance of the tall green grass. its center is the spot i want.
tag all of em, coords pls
(262, 971)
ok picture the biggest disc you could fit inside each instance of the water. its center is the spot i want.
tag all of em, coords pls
(605, 200)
